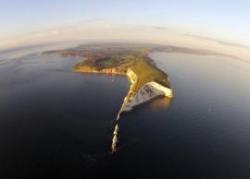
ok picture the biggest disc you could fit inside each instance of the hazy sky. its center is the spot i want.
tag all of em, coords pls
(216, 19)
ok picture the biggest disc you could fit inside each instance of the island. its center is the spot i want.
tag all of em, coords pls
(147, 81)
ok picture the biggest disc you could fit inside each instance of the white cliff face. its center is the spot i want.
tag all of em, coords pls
(146, 93)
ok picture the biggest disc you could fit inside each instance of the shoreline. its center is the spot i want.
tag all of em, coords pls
(146, 80)
(128, 103)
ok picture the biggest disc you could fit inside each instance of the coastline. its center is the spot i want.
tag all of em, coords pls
(147, 81)
(129, 102)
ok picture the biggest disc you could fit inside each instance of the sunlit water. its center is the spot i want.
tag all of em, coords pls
(55, 123)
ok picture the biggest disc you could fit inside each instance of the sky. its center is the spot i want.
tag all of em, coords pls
(217, 21)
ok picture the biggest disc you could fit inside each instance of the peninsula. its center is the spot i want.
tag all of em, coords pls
(146, 80)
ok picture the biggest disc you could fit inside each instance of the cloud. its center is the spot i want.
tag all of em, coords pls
(221, 42)
(160, 28)
(88, 30)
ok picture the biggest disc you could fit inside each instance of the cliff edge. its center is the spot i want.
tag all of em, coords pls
(146, 80)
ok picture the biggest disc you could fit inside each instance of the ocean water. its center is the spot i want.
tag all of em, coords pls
(55, 123)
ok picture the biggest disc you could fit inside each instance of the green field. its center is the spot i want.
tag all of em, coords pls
(147, 72)
(121, 60)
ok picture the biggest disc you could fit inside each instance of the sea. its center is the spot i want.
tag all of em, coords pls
(55, 123)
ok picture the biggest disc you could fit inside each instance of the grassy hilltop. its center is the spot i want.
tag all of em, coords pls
(115, 59)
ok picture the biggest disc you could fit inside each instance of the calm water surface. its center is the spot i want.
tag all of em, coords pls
(58, 124)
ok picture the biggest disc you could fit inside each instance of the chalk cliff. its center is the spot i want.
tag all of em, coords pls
(146, 80)
(135, 96)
